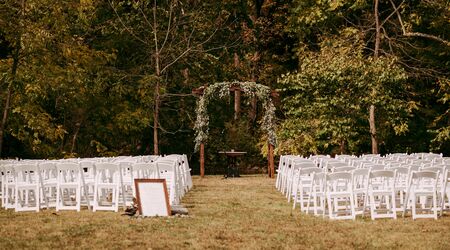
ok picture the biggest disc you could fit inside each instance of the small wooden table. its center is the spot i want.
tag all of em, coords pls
(232, 168)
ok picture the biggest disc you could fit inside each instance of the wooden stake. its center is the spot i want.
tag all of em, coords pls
(202, 160)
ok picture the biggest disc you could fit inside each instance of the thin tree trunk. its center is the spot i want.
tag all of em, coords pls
(157, 94)
(236, 60)
(5, 117)
(74, 138)
(156, 121)
(373, 130)
(377, 30)
(342, 147)
(372, 126)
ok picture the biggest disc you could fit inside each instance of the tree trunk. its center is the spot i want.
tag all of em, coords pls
(5, 117)
(342, 147)
(157, 86)
(377, 30)
(156, 120)
(74, 138)
(373, 130)
(236, 60)
(372, 127)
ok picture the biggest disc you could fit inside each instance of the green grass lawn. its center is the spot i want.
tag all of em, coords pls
(245, 212)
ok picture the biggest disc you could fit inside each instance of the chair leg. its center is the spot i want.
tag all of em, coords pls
(94, 206)
(352, 207)
(78, 198)
(330, 213)
(394, 205)
(435, 205)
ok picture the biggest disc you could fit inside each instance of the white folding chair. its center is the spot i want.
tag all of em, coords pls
(147, 170)
(340, 196)
(107, 187)
(8, 187)
(382, 194)
(302, 187)
(126, 182)
(360, 189)
(27, 187)
(317, 197)
(68, 188)
(401, 185)
(281, 166)
(187, 171)
(167, 170)
(49, 183)
(87, 182)
(293, 174)
(422, 184)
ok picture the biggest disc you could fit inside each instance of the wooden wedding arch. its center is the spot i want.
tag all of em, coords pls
(221, 90)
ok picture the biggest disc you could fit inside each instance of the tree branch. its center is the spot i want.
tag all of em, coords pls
(124, 26)
(417, 34)
(168, 27)
(394, 12)
(432, 37)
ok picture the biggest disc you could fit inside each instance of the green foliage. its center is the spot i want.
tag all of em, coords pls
(327, 101)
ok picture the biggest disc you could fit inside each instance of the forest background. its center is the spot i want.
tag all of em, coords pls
(103, 78)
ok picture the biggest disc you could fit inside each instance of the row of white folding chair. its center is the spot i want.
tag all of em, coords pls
(357, 190)
(63, 185)
(365, 184)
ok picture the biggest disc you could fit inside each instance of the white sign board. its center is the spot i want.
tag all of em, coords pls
(152, 197)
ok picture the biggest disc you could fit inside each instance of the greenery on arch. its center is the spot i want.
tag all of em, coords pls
(221, 90)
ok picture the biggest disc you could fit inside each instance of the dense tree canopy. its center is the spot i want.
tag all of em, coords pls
(94, 78)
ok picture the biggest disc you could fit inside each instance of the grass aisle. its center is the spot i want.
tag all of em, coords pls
(236, 213)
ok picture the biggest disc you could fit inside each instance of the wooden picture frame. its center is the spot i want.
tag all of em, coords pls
(152, 197)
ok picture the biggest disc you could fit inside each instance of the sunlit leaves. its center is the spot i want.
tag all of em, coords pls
(329, 96)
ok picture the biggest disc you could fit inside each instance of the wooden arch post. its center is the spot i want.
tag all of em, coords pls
(202, 160)
(271, 167)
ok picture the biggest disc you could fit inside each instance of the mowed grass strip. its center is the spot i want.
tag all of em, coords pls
(239, 213)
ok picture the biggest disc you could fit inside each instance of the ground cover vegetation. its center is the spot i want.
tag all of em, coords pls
(239, 213)
(99, 78)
